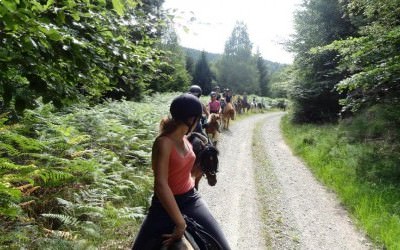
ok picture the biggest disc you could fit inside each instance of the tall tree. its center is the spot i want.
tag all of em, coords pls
(263, 79)
(237, 69)
(189, 65)
(172, 75)
(317, 23)
(239, 44)
(65, 51)
(202, 74)
(372, 58)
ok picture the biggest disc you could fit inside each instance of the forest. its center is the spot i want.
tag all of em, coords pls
(83, 85)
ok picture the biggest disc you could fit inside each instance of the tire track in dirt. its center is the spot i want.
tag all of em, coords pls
(234, 201)
(307, 206)
(301, 213)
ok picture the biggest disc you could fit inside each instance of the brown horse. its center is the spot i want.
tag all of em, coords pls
(212, 128)
(228, 113)
(206, 159)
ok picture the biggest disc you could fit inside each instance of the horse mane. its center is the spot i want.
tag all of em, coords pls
(205, 152)
(194, 135)
(208, 159)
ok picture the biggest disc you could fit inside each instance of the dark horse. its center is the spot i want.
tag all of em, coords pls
(206, 159)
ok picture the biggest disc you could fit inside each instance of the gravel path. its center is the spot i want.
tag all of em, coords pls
(278, 205)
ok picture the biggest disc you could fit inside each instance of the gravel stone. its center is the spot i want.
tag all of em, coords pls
(278, 205)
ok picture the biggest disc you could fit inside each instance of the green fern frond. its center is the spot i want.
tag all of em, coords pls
(54, 178)
(92, 197)
(21, 142)
(131, 213)
(9, 197)
(6, 166)
(6, 150)
(91, 229)
(65, 203)
(65, 219)
(46, 158)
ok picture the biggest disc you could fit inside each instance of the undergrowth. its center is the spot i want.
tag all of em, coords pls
(77, 178)
(363, 171)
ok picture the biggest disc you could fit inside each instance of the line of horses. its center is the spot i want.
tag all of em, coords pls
(205, 147)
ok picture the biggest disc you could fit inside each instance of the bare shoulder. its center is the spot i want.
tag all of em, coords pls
(162, 143)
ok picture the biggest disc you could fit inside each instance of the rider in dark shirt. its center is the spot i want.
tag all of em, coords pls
(197, 91)
(228, 96)
(245, 98)
(217, 90)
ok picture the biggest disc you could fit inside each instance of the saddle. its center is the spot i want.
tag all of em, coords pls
(199, 237)
(195, 237)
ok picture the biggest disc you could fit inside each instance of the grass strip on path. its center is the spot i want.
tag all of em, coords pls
(276, 233)
(333, 160)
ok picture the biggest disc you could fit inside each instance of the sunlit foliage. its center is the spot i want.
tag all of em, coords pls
(77, 178)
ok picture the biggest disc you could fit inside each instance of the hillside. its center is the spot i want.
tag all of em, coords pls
(213, 57)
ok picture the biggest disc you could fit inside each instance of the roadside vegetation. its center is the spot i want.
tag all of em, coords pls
(344, 121)
(363, 173)
(78, 178)
(79, 110)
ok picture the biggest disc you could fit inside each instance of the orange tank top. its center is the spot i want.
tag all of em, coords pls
(179, 178)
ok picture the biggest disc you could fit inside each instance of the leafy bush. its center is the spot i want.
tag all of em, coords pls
(378, 128)
(64, 51)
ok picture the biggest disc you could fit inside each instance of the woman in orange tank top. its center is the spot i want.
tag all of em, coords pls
(174, 192)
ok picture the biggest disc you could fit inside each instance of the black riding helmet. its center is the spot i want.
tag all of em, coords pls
(195, 90)
(184, 107)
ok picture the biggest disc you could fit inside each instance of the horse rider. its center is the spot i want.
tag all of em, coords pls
(254, 101)
(245, 98)
(174, 195)
(216, 90)
(214, 105)
(227, 98)
(197, 91)
(222, 100)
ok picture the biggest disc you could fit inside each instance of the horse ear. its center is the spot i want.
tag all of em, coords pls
(190, 137)
(200, 136)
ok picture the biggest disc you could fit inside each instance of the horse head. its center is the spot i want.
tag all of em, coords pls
(206, 156)
(214, 117)
(209, 163)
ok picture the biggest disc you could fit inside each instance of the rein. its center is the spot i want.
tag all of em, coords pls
(205, 147)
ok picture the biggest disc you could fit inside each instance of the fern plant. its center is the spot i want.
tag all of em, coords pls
(84, 180)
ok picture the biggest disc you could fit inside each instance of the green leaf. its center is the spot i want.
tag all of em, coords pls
(118, 7)
(76, 16)
(10, 5)
(49, 3)
(54, 35)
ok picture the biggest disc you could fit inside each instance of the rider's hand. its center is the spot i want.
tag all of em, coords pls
(177, 234)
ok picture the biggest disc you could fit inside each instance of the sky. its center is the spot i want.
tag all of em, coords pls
(269, 23)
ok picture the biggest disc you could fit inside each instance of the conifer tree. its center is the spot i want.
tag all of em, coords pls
(202, 74)
(263, 79)
(237, 70)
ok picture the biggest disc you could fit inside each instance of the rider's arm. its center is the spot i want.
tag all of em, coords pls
(208, 107)
(160, 163)
(205, 110)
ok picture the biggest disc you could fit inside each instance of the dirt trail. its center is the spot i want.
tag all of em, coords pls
(287, 209)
